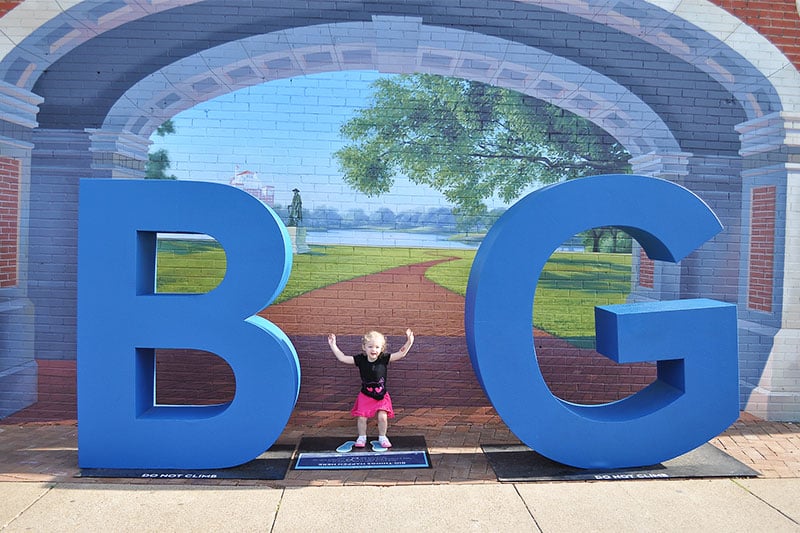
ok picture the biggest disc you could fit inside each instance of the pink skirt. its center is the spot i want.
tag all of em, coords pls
(369, 407)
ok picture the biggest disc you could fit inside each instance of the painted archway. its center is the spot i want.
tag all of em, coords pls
(694, 94)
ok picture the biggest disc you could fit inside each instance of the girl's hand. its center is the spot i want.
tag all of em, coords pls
(332, 340)
(405, 348)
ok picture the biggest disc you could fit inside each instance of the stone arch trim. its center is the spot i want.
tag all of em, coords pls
(65, 25)
(369, 46)
(646, 21)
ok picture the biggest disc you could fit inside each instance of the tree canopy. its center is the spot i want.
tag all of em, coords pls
(469, 140)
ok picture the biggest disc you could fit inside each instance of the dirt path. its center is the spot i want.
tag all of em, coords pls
(389, 301)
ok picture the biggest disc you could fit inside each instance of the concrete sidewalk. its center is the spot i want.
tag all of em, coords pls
(729, 505)
(40, 489)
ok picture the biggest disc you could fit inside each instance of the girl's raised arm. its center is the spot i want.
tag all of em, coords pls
(346, 359)
(403, 351)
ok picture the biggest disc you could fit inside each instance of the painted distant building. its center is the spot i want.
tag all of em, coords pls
(249, 182)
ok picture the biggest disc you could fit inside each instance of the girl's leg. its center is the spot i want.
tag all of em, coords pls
(361, 425)
(383, 423)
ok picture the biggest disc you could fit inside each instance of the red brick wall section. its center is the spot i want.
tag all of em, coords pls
(762, 249)
(5, 7)
(646, 271)
(777, 20)
(9, 220)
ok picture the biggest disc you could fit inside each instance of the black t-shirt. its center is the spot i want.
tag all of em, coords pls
(373, 374)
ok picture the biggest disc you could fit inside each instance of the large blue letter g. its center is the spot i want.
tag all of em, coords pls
(693, 341)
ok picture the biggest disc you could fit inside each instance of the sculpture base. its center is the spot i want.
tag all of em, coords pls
(298, 236)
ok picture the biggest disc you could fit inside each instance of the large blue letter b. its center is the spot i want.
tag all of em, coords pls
(122, 321)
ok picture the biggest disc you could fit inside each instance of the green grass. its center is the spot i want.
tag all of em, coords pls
(189, 266)
(569, 288)
(197, 267)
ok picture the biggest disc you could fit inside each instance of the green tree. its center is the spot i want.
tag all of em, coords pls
(469, 140)
(607, 239)
(158, 162)
(592, 238)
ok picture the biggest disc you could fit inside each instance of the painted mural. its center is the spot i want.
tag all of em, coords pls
(405, 129)
(404, 173)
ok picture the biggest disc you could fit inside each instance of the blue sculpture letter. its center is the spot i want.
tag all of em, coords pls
(693, 341)
(121, 321)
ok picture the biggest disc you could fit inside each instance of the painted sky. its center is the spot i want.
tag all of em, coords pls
(286, 132)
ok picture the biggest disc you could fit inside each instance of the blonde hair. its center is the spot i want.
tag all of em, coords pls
(374, 336)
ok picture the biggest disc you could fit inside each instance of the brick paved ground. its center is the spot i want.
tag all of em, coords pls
(47, 451)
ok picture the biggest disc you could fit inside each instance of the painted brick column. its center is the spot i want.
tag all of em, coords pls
(712, 271)
(769, 296)
(18, 368)
(60, 158)
(656, 280)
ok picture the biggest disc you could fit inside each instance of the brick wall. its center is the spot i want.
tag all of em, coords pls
(9, 220)
(777, 20)
(443, 375)
(435, 374)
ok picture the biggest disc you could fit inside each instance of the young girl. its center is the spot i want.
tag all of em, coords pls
(373, 399)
